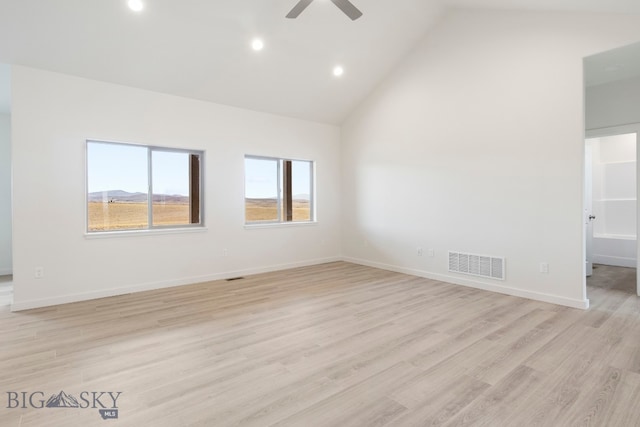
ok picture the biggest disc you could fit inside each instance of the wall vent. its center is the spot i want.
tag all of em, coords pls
(477, 265)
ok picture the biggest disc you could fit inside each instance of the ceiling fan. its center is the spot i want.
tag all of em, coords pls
(345, 5)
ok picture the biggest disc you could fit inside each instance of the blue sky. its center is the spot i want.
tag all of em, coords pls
(261, 178)
(124, 167)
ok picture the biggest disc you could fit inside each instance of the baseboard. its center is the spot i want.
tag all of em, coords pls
(67, 299)
(615, 261)
(6, 271)
(553, 299)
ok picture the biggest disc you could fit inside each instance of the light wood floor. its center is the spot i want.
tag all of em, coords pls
(330, 345)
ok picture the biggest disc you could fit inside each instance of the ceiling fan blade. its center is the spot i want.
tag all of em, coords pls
(297, 9)
(348, 8)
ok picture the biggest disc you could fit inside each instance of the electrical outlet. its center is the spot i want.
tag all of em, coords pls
(432, 253)
(39, 273)
(225, 252)
(544, 268)
(419, 251)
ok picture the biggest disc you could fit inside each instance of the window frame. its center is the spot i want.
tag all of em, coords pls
(150, 227)
(280, 192)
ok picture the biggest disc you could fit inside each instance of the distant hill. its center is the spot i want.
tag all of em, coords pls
(120, 196)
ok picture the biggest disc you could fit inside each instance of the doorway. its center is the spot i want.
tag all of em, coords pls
(611, 206)
(612, 108)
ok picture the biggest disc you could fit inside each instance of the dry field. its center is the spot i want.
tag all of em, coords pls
(133, 216)
(267, 210)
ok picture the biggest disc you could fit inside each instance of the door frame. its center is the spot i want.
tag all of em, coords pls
(588, 206)
(613, 131)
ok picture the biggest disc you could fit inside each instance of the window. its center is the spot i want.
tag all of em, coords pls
(278, 190)
(135, 187)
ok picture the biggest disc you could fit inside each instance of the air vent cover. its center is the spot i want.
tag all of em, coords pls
(477, 265)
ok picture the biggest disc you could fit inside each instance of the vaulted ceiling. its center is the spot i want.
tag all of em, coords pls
(202, 48)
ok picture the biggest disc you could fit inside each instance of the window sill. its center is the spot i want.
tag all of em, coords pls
(137, 233)
(280, 225)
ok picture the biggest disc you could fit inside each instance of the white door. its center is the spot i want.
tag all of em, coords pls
(588, 207)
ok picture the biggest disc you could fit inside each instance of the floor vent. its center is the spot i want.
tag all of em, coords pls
(234, 279)
(477, 265)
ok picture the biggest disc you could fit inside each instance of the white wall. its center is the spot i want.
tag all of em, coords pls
(5, 194)
(476, 144)
(613, 104)
(52, 116)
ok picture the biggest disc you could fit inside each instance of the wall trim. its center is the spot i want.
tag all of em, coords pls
(87, 296)
(614, 260)
(553, 299)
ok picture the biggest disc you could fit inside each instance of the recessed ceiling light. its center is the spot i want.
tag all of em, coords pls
(257, 44)
(136, 5)
(338, 71)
